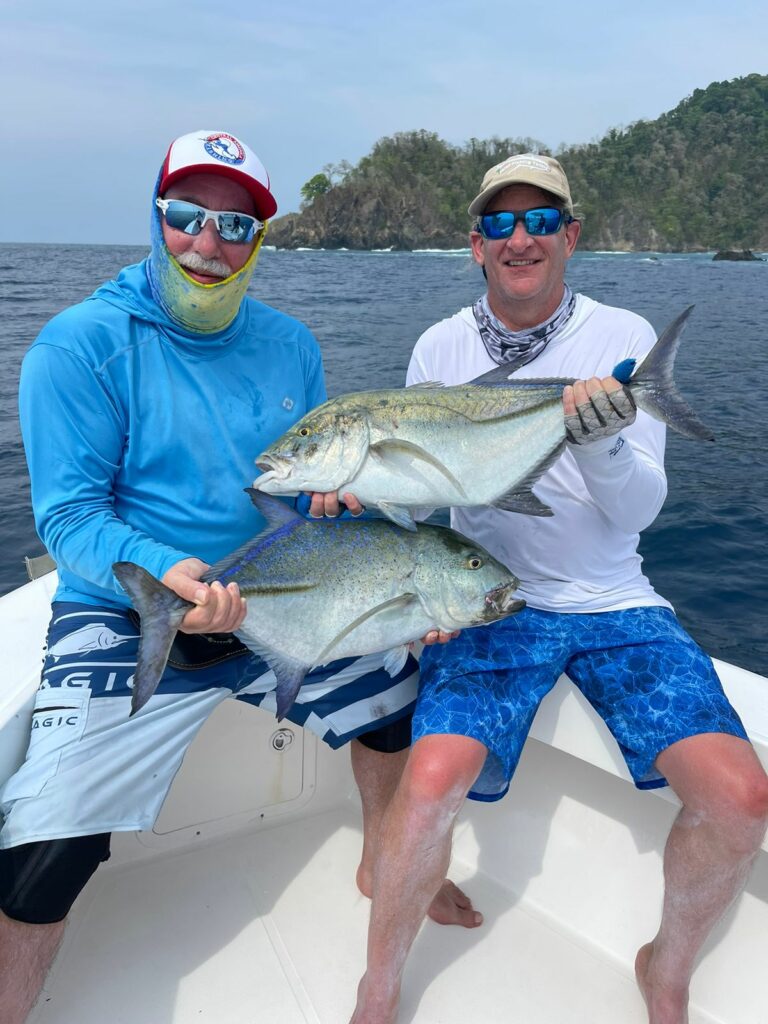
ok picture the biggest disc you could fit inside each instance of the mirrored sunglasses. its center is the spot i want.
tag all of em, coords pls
(543, 220)
(191, 219)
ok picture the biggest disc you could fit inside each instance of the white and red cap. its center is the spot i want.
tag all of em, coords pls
(219, 153)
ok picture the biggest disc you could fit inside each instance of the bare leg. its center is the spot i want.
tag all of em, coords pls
(26, 954)
(708, 855)
(377, 776)
(414, 851)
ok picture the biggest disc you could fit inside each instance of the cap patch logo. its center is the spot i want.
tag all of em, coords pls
(525, 161)
(225, 148)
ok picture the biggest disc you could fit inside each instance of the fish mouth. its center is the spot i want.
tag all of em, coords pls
(501, 601)
(272, 467)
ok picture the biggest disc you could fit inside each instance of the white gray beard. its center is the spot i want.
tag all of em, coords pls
(193, 261)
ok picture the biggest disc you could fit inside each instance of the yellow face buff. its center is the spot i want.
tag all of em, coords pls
(202, 308)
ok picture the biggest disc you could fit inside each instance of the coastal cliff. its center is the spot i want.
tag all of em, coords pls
(694, 179)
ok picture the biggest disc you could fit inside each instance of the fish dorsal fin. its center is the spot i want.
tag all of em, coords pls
(401, 601)
(426, 385)
(276, 512)
(388, 449)
(279, 515)
(521, 498)
(501, 376)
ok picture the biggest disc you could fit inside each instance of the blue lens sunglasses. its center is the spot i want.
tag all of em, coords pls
(543, 220)
(191, 219)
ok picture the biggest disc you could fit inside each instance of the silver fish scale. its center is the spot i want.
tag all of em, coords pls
(472, 402)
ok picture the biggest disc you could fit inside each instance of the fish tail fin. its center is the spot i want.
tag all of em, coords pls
(654, 389)
(161, 612)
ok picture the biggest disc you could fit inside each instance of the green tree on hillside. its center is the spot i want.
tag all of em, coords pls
(316, 186)
(695, 178)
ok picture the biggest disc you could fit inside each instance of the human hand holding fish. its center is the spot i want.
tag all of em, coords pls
(217, 609)
(329, 504)
(596, 408)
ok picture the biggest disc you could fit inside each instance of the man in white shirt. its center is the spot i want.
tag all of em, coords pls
(591, 612)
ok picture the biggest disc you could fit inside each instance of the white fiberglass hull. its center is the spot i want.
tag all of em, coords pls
(241, 906)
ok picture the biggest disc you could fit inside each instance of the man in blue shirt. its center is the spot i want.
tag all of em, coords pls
(142, 409)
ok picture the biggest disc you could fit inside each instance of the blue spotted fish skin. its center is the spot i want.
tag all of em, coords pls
(318, 591)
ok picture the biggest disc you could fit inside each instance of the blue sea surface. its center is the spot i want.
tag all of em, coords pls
(708, 550)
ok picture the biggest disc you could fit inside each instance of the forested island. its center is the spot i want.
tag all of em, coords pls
(693, 180)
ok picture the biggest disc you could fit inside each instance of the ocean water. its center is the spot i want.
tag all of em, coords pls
(708, 550)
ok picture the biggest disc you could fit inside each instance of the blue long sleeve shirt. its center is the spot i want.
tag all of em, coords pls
(140, 437)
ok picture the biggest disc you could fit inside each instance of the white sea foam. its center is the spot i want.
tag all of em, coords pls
(446, 252)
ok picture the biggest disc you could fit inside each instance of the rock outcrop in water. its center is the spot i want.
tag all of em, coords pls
(738, 256)
(695, 179)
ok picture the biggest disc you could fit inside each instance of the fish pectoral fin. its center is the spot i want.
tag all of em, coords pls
(399, 515)
(386, 450)
(395, 659)
(401, 601)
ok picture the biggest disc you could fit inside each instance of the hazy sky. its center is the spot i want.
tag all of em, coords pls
(93, 92)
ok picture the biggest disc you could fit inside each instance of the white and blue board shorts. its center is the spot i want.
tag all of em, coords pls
(92, 768)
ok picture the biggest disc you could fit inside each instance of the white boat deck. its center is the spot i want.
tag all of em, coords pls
(268, 926)
(271, 928)
(241, 905)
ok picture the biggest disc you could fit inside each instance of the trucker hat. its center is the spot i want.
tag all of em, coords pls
(523, 169)
(219, 153)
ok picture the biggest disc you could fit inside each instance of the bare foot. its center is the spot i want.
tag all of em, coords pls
(667, 1003)
(450, 906)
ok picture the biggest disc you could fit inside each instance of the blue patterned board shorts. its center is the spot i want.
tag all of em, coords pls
(91, 767)
(639, 669)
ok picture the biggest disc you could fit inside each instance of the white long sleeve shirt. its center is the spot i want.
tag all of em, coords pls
(584, 558)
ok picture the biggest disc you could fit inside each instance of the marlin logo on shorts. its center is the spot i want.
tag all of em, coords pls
(224, 147)
(96, 637)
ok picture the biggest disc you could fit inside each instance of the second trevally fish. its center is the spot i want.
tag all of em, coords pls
(320, 591)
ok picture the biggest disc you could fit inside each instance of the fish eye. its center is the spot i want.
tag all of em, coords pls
(474, 562)
(304, 432)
